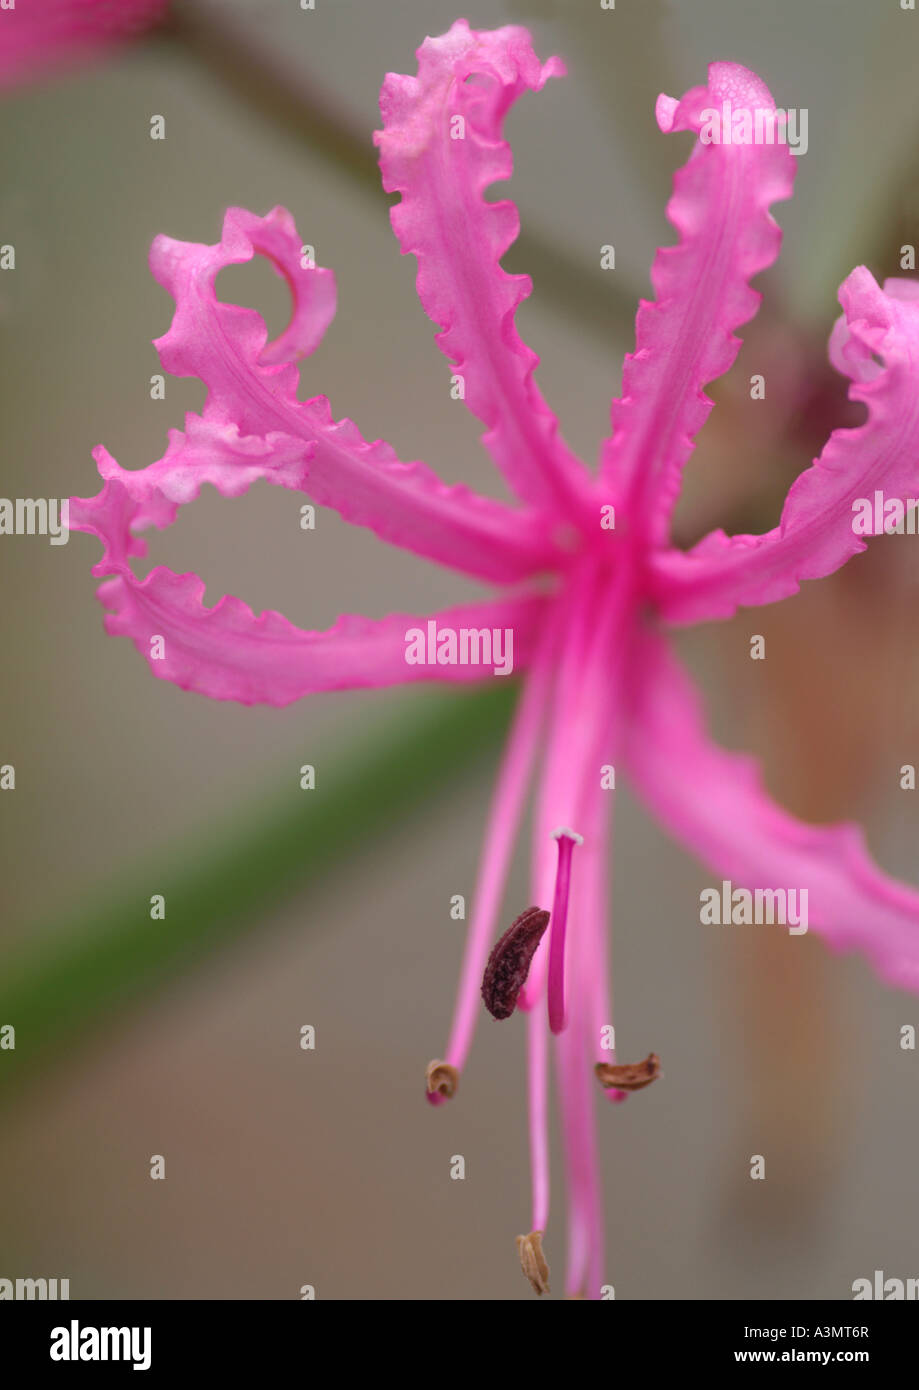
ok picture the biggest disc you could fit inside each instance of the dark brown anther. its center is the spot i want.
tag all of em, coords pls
(630, 1076)
(510, 960)
(533, 1261)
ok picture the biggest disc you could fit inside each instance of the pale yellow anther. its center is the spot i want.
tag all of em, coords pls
(533, 1261)
(441, 1079)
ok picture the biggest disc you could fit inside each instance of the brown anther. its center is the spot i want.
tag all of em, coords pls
(441, 1079)
(630, 1076)
(533, 1261)
(510, 960)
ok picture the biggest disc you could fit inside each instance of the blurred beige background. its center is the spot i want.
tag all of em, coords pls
(287, 1168)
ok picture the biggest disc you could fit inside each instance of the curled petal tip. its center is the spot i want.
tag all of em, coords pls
(665, 110)
(533, 1262)
(739, 85)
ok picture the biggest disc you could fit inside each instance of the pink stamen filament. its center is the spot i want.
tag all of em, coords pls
(576, 1084)
(567, 839)
(538, 1088)
(596, 918)
(503, 821)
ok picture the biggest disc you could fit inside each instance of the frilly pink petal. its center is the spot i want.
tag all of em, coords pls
(133, 499)
(441, 148)
(685, 338)
(210, 339)
(815, 535)
(216, 341)
(715, 803)
(228, 653)
(252, 388)
(40, 36)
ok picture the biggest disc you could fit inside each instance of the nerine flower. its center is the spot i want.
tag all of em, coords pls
(38, 36)
(587, 579)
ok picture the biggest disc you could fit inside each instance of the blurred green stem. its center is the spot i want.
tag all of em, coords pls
(71, 978)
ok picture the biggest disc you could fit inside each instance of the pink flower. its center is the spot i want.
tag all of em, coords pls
(585, 602)
(38, 36)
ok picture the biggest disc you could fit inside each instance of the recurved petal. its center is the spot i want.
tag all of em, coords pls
(252, 387)
(132, 500)
(842, 497)
(441, 147)
(715, 803)
(685, 338)
(229, 653)
(226, 651)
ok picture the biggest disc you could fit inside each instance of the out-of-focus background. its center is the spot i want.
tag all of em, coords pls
(288, 1167)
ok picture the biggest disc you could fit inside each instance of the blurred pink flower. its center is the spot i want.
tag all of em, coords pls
(41, 36)
(588, 575)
